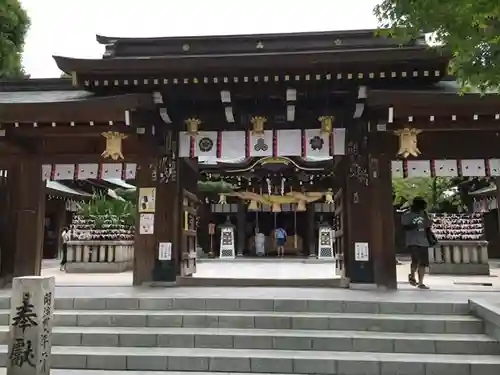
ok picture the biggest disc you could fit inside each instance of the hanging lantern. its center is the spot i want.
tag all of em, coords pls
(192, 125)
(276, 207)
(253, 206)
(258, 125)
(301, 206)
(222, 199)
(326, 124)
(408, 142)
(329, 197)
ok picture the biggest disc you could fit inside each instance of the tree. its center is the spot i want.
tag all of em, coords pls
(441, 194)
(470, 30)
(14, 23)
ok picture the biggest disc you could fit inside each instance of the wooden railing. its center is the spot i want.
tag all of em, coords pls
(459, 258)
(338, 243)
(99, 256)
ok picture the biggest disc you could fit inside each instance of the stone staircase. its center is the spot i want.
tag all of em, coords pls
(198, 336)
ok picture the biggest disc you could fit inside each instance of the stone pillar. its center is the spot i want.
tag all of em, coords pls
(29, 209)
(31, 318)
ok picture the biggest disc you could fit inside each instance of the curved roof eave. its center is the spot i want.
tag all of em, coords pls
(282, 60)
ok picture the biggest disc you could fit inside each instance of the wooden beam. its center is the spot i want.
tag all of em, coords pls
(442, 144)
(65, 130)
(430, 123)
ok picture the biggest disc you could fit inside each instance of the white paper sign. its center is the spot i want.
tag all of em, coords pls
(146, 223)
(165, 251)
(361, 253)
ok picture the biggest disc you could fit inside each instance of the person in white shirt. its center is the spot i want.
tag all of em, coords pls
(66, 236)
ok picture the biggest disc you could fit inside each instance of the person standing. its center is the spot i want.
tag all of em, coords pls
(281, 236)
(66, 237)
(418, 239)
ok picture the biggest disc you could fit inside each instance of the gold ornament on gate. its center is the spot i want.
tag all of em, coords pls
(113, 145)
(222, 199)
(326, 124)
(258, 125)
(301, 206)
(193, 124)
(253, 206)
(329, 197)
(408, 142)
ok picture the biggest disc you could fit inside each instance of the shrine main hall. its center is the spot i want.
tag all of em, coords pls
(314, 124)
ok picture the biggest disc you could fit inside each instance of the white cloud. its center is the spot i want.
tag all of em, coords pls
(68, 28)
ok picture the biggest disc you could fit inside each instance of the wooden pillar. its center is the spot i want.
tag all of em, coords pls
(311, 235)
(241, 228)
(383, 249)
(29, 213)
(497, 198)
(144, 244)
(7, 227)
(168, 220)
(358, 207)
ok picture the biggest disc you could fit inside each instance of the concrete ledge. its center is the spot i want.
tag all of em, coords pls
(290, 283)
(266, 260)
(459, 269)
(98, 267)
(490, 313)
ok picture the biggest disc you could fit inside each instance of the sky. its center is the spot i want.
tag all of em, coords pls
(68, 28)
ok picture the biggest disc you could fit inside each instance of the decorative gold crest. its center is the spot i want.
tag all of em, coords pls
(258, 124)
(193, 124)
(408, 142)
(301, 206)
(329, 197)
(326, 124)
(253, 206)
(113, 145)
(222, 199)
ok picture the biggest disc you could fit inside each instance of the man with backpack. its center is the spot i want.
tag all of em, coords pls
(281, 236)
(418, 239)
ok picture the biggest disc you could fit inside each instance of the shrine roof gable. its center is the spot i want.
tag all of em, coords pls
(229, 44)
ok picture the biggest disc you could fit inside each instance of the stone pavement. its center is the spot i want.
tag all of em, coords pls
(444, 288)
(277, 269)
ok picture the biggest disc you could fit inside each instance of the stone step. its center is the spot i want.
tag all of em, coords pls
(3, 371)
(350, 341)
(268, 361)
(278, 305)
(266, 320)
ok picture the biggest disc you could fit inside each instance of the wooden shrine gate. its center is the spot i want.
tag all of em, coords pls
(377, 101)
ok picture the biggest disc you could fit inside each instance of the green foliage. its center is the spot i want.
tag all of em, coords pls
(440, 193)
(100, 208)
(14, 23)
(215, 187)
(130, 195)
(468, 29)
